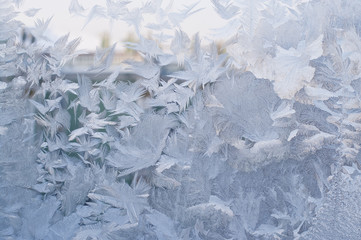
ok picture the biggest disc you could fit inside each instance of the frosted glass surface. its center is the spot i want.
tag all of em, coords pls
(256, 136)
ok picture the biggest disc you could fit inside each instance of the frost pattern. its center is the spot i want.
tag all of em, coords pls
(258, 142)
